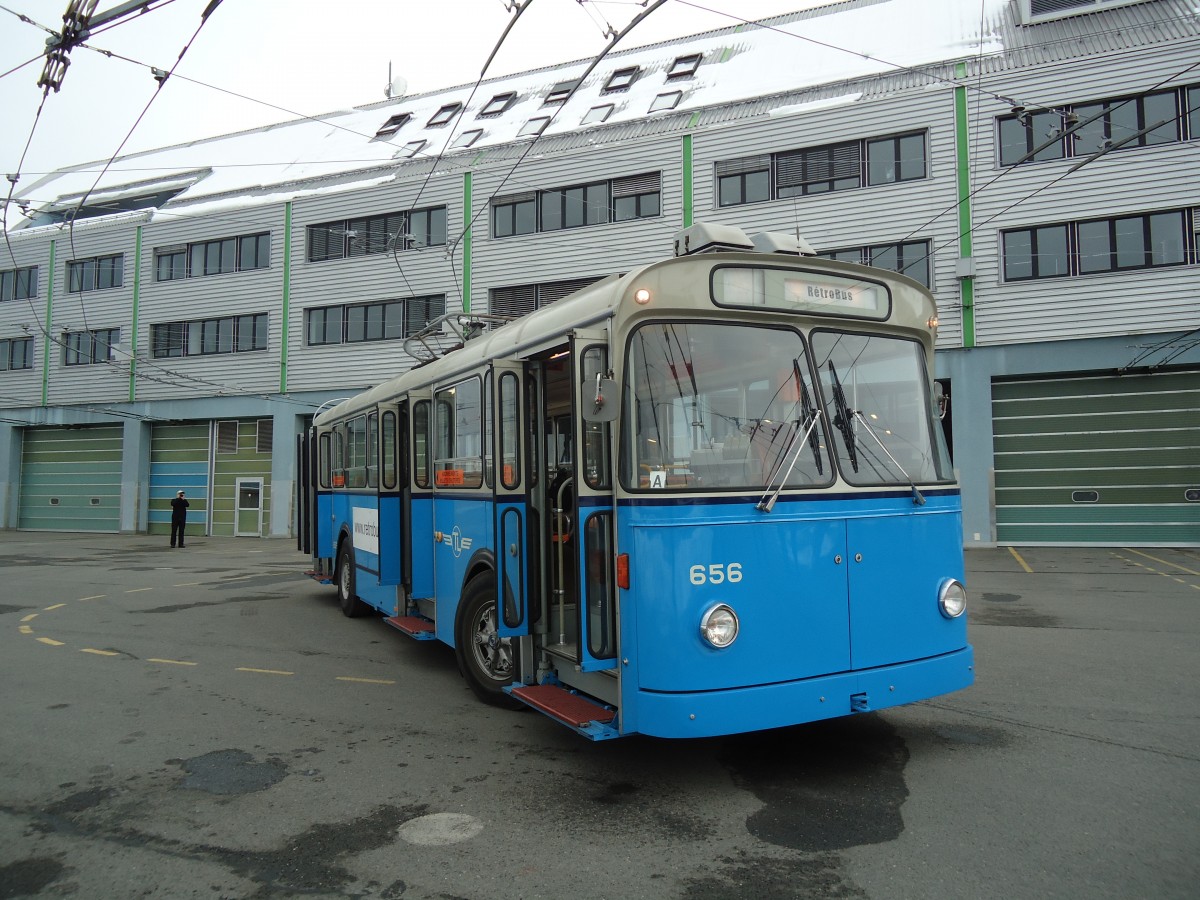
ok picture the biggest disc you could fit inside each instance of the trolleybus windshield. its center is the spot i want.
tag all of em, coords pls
(722, 407)
(877, 401)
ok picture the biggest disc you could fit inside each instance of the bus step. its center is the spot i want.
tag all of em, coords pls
(574, 710)
(415, 627)
(318, 575)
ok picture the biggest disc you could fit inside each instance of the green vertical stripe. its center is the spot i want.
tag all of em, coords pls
(466, 263)
(137, 295)
(49, 327)
(963, 163)
(689, 210)
(287, 296)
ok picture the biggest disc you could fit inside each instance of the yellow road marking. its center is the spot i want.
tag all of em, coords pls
(55, 606)
(93, 597)
(51, 642)
(263, 671)
(25, 629)
(1017, 557)
(1163, 561)
(364, 680)
(139, 590)
(30, 617)
(99, 652)
(187, 584)
(172, 662)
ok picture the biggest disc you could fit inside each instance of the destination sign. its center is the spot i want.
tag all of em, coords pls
(793, 291)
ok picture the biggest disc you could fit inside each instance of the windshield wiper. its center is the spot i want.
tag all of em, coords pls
(767, 502)
(918, 497)
(843, 421)
(809, 413)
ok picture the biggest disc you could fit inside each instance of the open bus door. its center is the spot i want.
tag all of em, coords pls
(595, 403)
(510, 493)
(388, 480)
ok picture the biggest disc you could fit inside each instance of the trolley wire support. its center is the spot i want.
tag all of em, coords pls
(449, 332)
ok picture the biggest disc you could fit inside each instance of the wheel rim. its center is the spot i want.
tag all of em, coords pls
(492, 653)
(344, 579)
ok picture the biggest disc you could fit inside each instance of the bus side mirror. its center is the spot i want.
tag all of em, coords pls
(599, 401)
(942, 399)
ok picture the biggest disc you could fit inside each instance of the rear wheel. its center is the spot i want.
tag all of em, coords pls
(347, 592)
(487, 661)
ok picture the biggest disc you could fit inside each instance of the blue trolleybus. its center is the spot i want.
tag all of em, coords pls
(707, 496)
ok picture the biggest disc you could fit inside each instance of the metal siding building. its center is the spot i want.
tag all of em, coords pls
(1075, 394)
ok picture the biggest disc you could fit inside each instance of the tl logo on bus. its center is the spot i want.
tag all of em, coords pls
(454, 540)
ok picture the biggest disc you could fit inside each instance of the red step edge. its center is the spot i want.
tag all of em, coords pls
(571, 709)
(413, 626)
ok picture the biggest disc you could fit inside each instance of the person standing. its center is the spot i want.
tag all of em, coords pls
(179, 508)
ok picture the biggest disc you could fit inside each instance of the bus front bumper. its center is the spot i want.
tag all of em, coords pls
(712, 713)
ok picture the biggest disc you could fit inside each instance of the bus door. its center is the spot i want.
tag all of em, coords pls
(510, 499)
(595, 403)
(387, 482)
(419, 496)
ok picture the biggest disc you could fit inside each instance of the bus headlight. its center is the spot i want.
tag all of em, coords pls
(952, 598)
(719, 626)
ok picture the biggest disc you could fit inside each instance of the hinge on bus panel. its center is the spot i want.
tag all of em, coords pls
(860, 703)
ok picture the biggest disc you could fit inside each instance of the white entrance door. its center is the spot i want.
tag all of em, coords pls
(247, 520)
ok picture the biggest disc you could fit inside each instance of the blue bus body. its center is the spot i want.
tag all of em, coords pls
(675, 520)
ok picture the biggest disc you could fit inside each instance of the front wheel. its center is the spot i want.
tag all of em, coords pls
(487, 661)
(346, 589)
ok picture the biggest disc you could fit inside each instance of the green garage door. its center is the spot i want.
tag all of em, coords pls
(71, 479)
(1098, 460)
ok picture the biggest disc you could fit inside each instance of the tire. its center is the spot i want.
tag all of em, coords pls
(348, 600)
(487, 661)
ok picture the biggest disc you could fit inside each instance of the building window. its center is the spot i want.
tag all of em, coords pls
(219, 257)
(894, 159)
(514, 214)
(497, 104)
(534, 126)
(16, 353)
(1162, 117)
(820, 170)
(596, 203)
(745, 180)
(522, 299)
(467, 138)
(356, 323)
(909, 258)
(18, 284)
(561, 91)
(669, 100)
(95, 274)
(227, 437)
(202, 337)
(411, 149)
(684, 67)
(370, 235)
(85, 348)
(1143, 241)
(393, 124)
(443, 115)
(573, 207)
(636, 197)
(597, 114)
(621, 80)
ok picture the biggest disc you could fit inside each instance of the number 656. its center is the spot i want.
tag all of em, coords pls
(716, 573)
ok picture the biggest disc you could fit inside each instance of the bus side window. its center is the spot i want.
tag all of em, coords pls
(595, 462)
(487, 429)
(356, 456)
(324, 462)
(387, 450)
(421, 444)
(373, 450)
(338, 480)
(458, 448)
(510, 435)
(531, 418)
